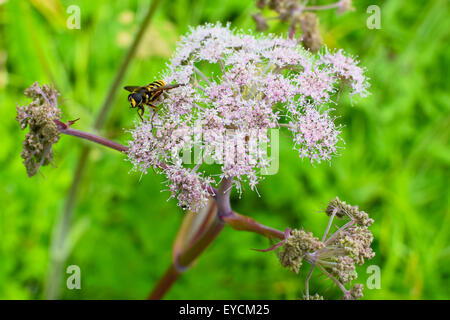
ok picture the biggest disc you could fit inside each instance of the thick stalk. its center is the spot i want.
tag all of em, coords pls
(165, 283)
(197, 247)
(186, 258)
(188, 255)
(223, 198)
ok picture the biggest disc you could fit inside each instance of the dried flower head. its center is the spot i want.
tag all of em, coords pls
(336, 255)
(343, 210)
(261, 23)
(356, 241)
(39, 117)
(237, 87)
(344, 269)
(311, 37)
(355, 292)
(345, 6)
(297, 245)
(299, 12)
(313, 297)
(285, 8)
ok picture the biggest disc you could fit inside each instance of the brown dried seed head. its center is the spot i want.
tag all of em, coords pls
(38, 116)
(311, 38)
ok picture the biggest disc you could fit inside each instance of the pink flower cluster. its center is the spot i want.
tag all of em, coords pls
(347, 69)
(236, 87)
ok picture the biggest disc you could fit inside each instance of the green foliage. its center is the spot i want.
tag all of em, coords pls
(395, 164)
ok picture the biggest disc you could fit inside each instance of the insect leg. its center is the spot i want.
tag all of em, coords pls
(153, 115)
(140, 112)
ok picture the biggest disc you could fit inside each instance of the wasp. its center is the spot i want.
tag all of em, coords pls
(147, 95)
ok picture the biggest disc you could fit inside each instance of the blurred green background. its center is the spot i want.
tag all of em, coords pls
(395, 164)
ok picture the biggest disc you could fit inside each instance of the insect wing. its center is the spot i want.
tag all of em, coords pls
(166, 87)
(132, 88)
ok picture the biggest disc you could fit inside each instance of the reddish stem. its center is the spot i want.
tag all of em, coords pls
(200, 242)
(244, 223)
(202, 228)
(185, 259)
(190, 254)
(65, 129)
(164, 283)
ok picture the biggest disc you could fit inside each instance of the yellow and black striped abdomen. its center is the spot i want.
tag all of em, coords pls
(155, 84)
(151, 96)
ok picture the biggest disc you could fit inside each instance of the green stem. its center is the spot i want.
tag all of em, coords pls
(125, 64)
(53, 284)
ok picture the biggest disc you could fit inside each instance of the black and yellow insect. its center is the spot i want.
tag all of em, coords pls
(147, 95)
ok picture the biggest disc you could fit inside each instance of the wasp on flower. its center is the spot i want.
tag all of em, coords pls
(234, 83)
(229, 91)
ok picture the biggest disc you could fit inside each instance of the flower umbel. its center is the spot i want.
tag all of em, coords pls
(39, 117)
(237, 87)
(336, 256)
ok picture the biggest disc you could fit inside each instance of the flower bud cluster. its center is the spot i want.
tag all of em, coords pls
(337, 255)
(299, 13)
(297, 245)
(39, 117)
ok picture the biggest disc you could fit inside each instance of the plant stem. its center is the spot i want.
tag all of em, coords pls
(125, 64)
(165, 283)
(313, 263)
(307, 281)
(223, 198)
(336, 281)
(186, 258)
(60, 236)
(195, 249)
(202, 75)
(244, 223)
(324, 7)
(334, 236)
(190, 254)
(207, 218)
(325, 234)
(97, 139)
(53, 284)
(200, 242)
